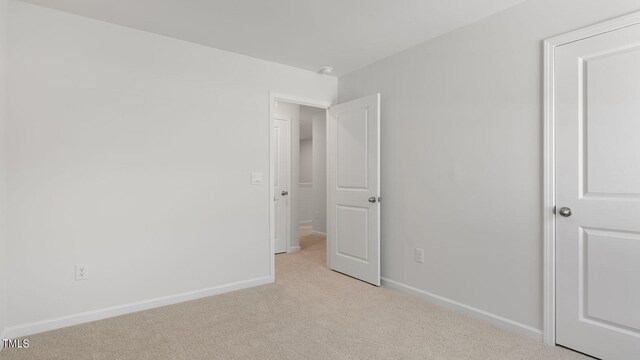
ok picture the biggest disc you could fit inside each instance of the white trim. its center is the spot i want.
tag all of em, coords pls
(293, 249)
(314, 232)
(273, 97)
(305, 184)
(493, 319)
(85, 317)
(549, 195)
(305, 222)
(322, 104)
(549, 268)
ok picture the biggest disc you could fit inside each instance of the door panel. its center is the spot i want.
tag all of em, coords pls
(612, 108)
(351, 234)
(353, 167)
(282, 155)
(597, 95)
(606, 302)
(352, 159)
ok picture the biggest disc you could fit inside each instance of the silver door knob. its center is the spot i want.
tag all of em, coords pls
(373, 200)
(565, 211)
(284, 193)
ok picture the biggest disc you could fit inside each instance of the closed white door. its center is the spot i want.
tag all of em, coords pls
(282, 163)
(353, 169)
(597, 96)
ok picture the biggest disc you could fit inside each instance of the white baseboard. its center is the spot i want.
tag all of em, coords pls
(314, 232)
(493, 319)
(294, 249)
(85, 317)
(305, 222)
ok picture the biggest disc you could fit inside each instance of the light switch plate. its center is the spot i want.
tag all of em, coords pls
(257, 178)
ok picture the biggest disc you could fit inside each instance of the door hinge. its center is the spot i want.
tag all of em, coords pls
(554, 210)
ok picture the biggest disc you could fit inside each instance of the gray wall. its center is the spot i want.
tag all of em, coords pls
(319, 124)
(305, 194)
(129, 150)
(461, 155)
(306, 161)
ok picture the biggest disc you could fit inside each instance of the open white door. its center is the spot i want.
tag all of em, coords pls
(597, 96)
(353, 194)
(282, 163)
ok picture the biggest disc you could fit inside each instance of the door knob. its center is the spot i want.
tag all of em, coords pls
(565, 211)
(372, 200)
(284, 193)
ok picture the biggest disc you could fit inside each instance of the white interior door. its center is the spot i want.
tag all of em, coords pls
(282, 165)
(353, 170)
(597, 96)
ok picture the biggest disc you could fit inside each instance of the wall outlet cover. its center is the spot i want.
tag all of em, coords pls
(82, 272)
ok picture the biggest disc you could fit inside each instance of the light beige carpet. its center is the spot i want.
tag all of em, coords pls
(309, 313)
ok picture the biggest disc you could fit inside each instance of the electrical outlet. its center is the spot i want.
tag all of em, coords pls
(82, 272)
(419, 255)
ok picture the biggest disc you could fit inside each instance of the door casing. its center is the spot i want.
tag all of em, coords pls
(549, 148)
(273, 97)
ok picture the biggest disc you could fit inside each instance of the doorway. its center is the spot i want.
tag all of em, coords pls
(346, 182)
(299, 187)
(284, 215)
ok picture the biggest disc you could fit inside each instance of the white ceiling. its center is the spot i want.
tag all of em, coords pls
(345, 34)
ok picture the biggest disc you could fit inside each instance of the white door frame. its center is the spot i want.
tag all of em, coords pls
(273, 97)
(549, 146)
